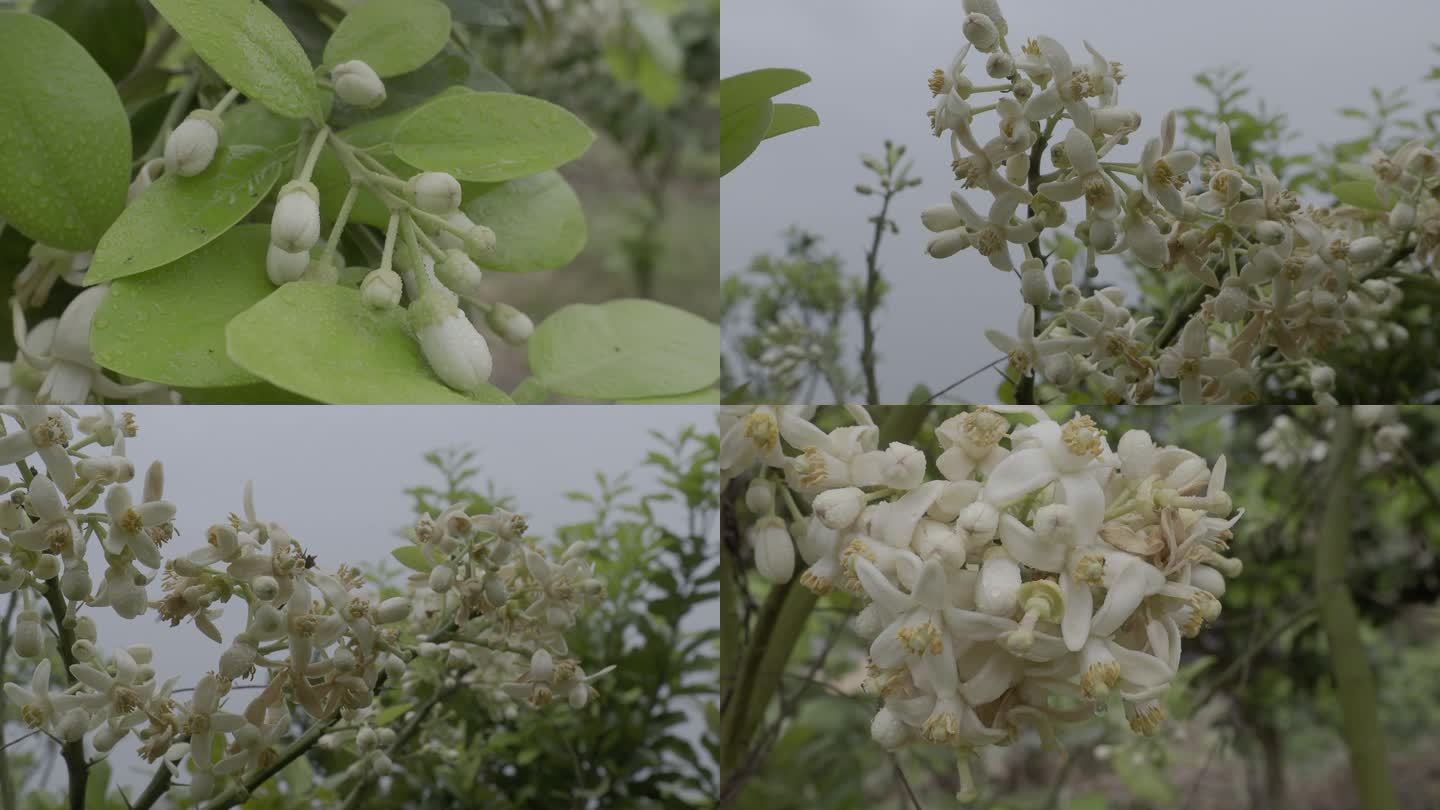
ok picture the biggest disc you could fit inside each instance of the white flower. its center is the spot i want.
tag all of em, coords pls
(116, 698)
(1069, 455)
(46, 431)
(191, 147)
(1089, 180)
(1188, 361)
(454, 348)
(283, 266)
(38, 706)
(436, 192)
(971, 444)
(992, 234)
(295, 226)
(751, 433)
(357, 84)
(129, 522)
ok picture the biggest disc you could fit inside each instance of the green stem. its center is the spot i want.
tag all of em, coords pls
(72, 752)
(311, 159)
(1349, 659)
(340, 219)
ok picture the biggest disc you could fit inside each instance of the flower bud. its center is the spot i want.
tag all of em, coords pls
(74, 723)
(1402, 216)
(381, 764)
(85, 628)
(295, 226)
(947, 244)
(357, 84)
(267, 621)
(283, 267)
(47, 567)
(940, 218)
(1322, 379)
(75, 583)
(512, 325)
(386, 736)
(998, 590)
(980, 30)
(1034, 287)
(29, 638)
(774, 552)
(839, 508)
(1366, 249)
(265, 588)
(441, 578)
(459, 272)
(1269, 232)
(343, 660)
(888, 730)
(476, 240)
(1063, 272)
(83, 650)
(149, 173)
(381, 289)
(1137, 454)
(455, 350)
(394, 609)
(191, 147)
(238, 658)
(435, 192)
(1000, 65)
(760, 496)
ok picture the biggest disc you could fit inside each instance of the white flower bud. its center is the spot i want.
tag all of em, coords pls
(939, 218)
(980, 30)
(381, 764)
(1269, 232)
(283, 267)
(1390, 438)
(774, 551)
(1232, 303)
(1322, 379)
(381, 289)
(1034, 287)
(999, 588)
(1062, 272)
(395, 667)
(459, 272)
(74, 723)
(1366, 249)
(1402, 216)
(149, 173)
(238, 658)
(75, 583)
(343, 660)
(295, 226)
(981, 520)
(760, 496)
(947, 244)
(265, 588)
(85, 628)
(29, 638)
(888, 730)
(476, 240)
(47, 567)
(1059, 368)
(1000, 65)
(267, 621)
(191, 147)
(542, 666)
(839, 508)
(869, 622)
(512, 325)
(453, 347)
(386, 736)
(1137, 454)
(435, 192)
(441, 578)
(357, 84)
(393, 609)
(83, 650)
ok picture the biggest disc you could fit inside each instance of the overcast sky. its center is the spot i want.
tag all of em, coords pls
(334, 476)
(869, 62)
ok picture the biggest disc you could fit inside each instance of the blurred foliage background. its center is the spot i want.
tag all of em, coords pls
(644, 74)
(1254, 719)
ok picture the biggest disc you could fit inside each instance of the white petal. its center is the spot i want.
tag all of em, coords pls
(1018, 475)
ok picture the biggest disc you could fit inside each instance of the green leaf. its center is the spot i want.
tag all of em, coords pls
(790, 117)
(624, 349)
(412, 557)
(705, 396)
(113, 31)
(321, 342)
(168, 325)
(392, 38)
(251, 49)
(390, 714)
(256, 394)
(537, 220)
(489, 137)
(741, 132)
(64, 136)
(749, 89)
(1360, 194)
(178, 215)
(529, 391)
(97, 785)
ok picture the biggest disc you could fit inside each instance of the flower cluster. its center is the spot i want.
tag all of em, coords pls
(1278, 282)
(486, 611)
(1287, 443)
(1042, 575)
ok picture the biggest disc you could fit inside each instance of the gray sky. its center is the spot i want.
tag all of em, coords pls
(334, 475)
(869, 62)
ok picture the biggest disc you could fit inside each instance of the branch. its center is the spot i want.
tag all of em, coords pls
(872, 289)
(1354, 682)
(7, 787)
(240, 792)
(411, 729)
(74, 751)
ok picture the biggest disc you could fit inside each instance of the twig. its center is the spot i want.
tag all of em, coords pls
(872, 291)
(74, 751)
(967, 378)
(905, 783)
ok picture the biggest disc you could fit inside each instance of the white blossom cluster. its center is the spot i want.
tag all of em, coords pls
(1042, 575)
(486, 611)
(1287, 444)
(1280, 282)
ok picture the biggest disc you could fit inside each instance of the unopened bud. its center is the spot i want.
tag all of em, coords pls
(295, 226)
(436, 192)
(459, 272)
(441, 578)
(381, 289)
(980, 30)
(512, 325)
(455, 350)
(191, 147)
(357, 84)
